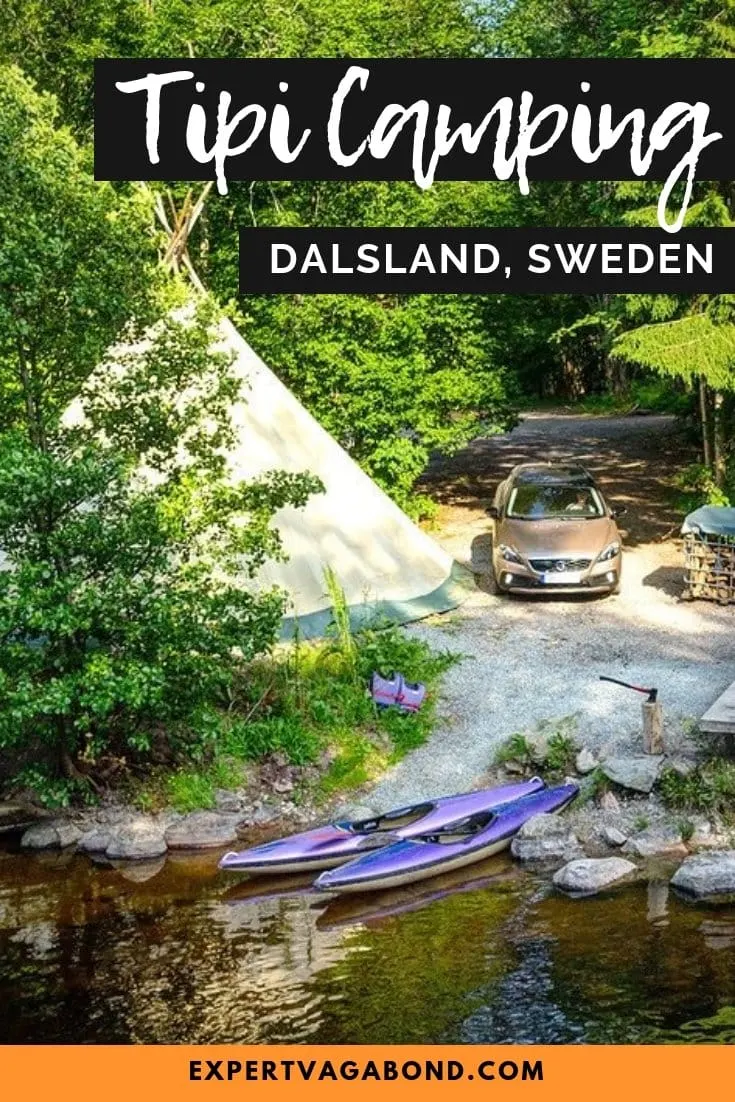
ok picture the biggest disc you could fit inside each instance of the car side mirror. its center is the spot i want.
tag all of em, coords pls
(493, 512)
(619, 511)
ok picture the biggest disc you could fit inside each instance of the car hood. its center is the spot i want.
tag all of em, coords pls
(540, 538)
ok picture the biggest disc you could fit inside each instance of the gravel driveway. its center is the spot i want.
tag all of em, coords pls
(529, 660)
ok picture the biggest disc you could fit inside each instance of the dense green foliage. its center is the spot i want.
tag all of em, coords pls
(121, 533)
(453, 367)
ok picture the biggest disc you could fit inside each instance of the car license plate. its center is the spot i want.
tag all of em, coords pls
(562, 577)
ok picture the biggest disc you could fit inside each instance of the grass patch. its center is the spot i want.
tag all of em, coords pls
(593, 786)
(358, 760)
(306, 699)
(709, 788)
(190, 787)
(656, 395)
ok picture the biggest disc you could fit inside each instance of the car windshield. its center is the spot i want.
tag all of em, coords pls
(544, 502)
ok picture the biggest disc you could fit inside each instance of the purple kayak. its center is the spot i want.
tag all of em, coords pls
(331, 845)
(463, 842)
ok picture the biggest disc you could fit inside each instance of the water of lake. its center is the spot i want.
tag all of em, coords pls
(179, 952)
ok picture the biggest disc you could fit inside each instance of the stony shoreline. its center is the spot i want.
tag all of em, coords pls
(121, 832)
(608, 838)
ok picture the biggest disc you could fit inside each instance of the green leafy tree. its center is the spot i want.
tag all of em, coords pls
(392, 381)
(126, 543)
(393, 378)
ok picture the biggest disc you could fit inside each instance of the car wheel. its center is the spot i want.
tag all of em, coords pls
(491, 583)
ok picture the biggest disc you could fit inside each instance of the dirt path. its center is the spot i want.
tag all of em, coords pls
(537, 659)
(633, 458)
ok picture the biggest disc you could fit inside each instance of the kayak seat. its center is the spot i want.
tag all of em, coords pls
(377, 841)
(462, 831)
(393, 820)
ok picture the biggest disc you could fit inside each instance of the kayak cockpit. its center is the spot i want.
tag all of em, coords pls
(392, 820)
(462, 831)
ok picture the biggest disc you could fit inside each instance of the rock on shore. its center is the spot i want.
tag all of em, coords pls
(137, 840)
(639, 774)
(546, 840)
(592, 874)
(662, 838)
(51, 834)
(708, 876)
(202, 830)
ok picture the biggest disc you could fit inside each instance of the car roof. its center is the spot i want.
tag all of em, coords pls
(551, 474)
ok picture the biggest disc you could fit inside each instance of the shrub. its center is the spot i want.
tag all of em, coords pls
(515, 748)
(709, 788)
(561, 754)
(123, 615)
(698, 487)
(121, 532)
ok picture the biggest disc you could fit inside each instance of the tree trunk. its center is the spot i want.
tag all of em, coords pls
(704, 421)
(718, 440)
(573, 384)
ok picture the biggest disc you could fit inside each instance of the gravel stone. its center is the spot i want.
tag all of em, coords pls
(613, 836)
(585, 761)
(609, 802)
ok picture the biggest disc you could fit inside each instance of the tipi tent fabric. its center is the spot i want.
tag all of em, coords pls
(384, 563)
(387, 567)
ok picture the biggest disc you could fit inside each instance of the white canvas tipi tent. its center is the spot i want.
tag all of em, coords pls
(383, 561)
(385, 564)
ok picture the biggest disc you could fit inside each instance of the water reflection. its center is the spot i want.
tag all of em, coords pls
(657, 896)
(177, 952)
(523, 1010)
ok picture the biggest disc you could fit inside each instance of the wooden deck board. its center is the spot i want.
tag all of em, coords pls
(720, 718)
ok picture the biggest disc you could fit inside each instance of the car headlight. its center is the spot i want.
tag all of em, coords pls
(610, 551)
(509, 553)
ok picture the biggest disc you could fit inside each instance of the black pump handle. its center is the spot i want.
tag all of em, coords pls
(652, 693)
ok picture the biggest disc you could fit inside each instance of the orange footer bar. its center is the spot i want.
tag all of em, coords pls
(138, 1073)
